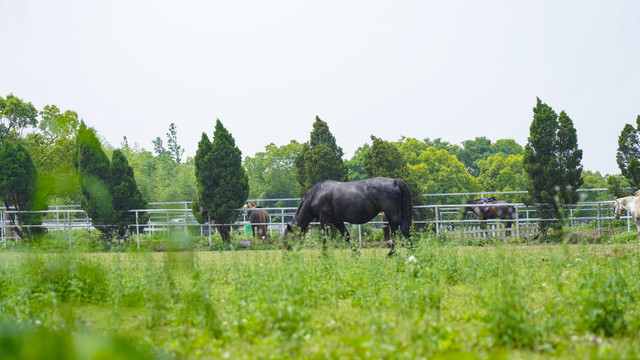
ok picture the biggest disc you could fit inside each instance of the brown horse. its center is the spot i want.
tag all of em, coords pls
(259, 218)
(500, 210)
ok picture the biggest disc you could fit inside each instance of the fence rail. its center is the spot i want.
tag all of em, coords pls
(445, 219)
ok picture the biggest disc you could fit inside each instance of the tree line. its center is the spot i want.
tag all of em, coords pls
(51, 157)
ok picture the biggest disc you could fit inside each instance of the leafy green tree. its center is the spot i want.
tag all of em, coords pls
(272, 173)
(474, 150)
(18, 185)
(384, 159)
(15, 116)
(93, 169)
(125, 193)
(506, 147)
(438, 171)
(552, 161)
(628, 153)
(55, 124)
(320, 158)
(158, 147)
(594, 180)
(356, 164)
(411, 149)
(500, 172)
(618, 185)
(52, 149)
(222, 182)
(439, 144)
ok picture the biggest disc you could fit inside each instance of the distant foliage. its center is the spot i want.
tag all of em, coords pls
(272, 172)
(320, 158)
(436, 170)
(501, 172)
(384, 159)
(15, 116)
(356, 163)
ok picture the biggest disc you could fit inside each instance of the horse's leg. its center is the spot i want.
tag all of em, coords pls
(637, 220)
(343, 230)
(394, 222)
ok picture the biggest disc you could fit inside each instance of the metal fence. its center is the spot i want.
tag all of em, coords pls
(443, 219)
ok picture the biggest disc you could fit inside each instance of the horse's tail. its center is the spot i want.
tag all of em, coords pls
(406, 207)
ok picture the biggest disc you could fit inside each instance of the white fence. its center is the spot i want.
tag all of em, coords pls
(444, 219)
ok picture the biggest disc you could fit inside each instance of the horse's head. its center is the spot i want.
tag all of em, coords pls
(618, 209)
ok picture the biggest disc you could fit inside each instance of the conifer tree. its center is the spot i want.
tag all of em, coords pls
(125, 193)
(553, 162)
(18, 185)
(320, 158)
(93, 169)
(174, 149)
(222, 181)
(628, 154)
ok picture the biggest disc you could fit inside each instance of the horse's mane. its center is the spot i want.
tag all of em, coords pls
(310, 194)
(637, 193)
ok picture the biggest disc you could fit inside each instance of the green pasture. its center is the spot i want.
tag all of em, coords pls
(437, 301)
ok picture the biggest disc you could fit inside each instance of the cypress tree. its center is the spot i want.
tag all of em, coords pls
(222, 181)
(320, 158)
(18, 185)
(125, 193)
(629, 152)
(552, 161)
(93, 170)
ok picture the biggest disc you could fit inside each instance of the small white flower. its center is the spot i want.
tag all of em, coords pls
(411, 259)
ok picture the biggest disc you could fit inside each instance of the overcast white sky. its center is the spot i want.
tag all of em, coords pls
(448, 69)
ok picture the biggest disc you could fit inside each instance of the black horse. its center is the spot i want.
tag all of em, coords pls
(356, 202)
(500, 210)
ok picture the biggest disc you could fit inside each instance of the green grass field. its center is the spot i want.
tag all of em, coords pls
(450, 302)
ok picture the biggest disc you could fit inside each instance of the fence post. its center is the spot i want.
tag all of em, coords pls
(209, 222)
(137, 230)
(4, 237)
(517, 224)
(599, 228)
(437, 221)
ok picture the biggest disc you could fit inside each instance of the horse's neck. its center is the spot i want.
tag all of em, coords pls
(630, 203)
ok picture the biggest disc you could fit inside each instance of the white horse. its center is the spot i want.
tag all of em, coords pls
(632, 205)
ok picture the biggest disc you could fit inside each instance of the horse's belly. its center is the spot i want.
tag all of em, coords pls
(357, 217)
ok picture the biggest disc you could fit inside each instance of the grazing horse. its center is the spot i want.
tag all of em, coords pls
(356, 202)
(258, 218)
(500, 210)
(632, 205)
